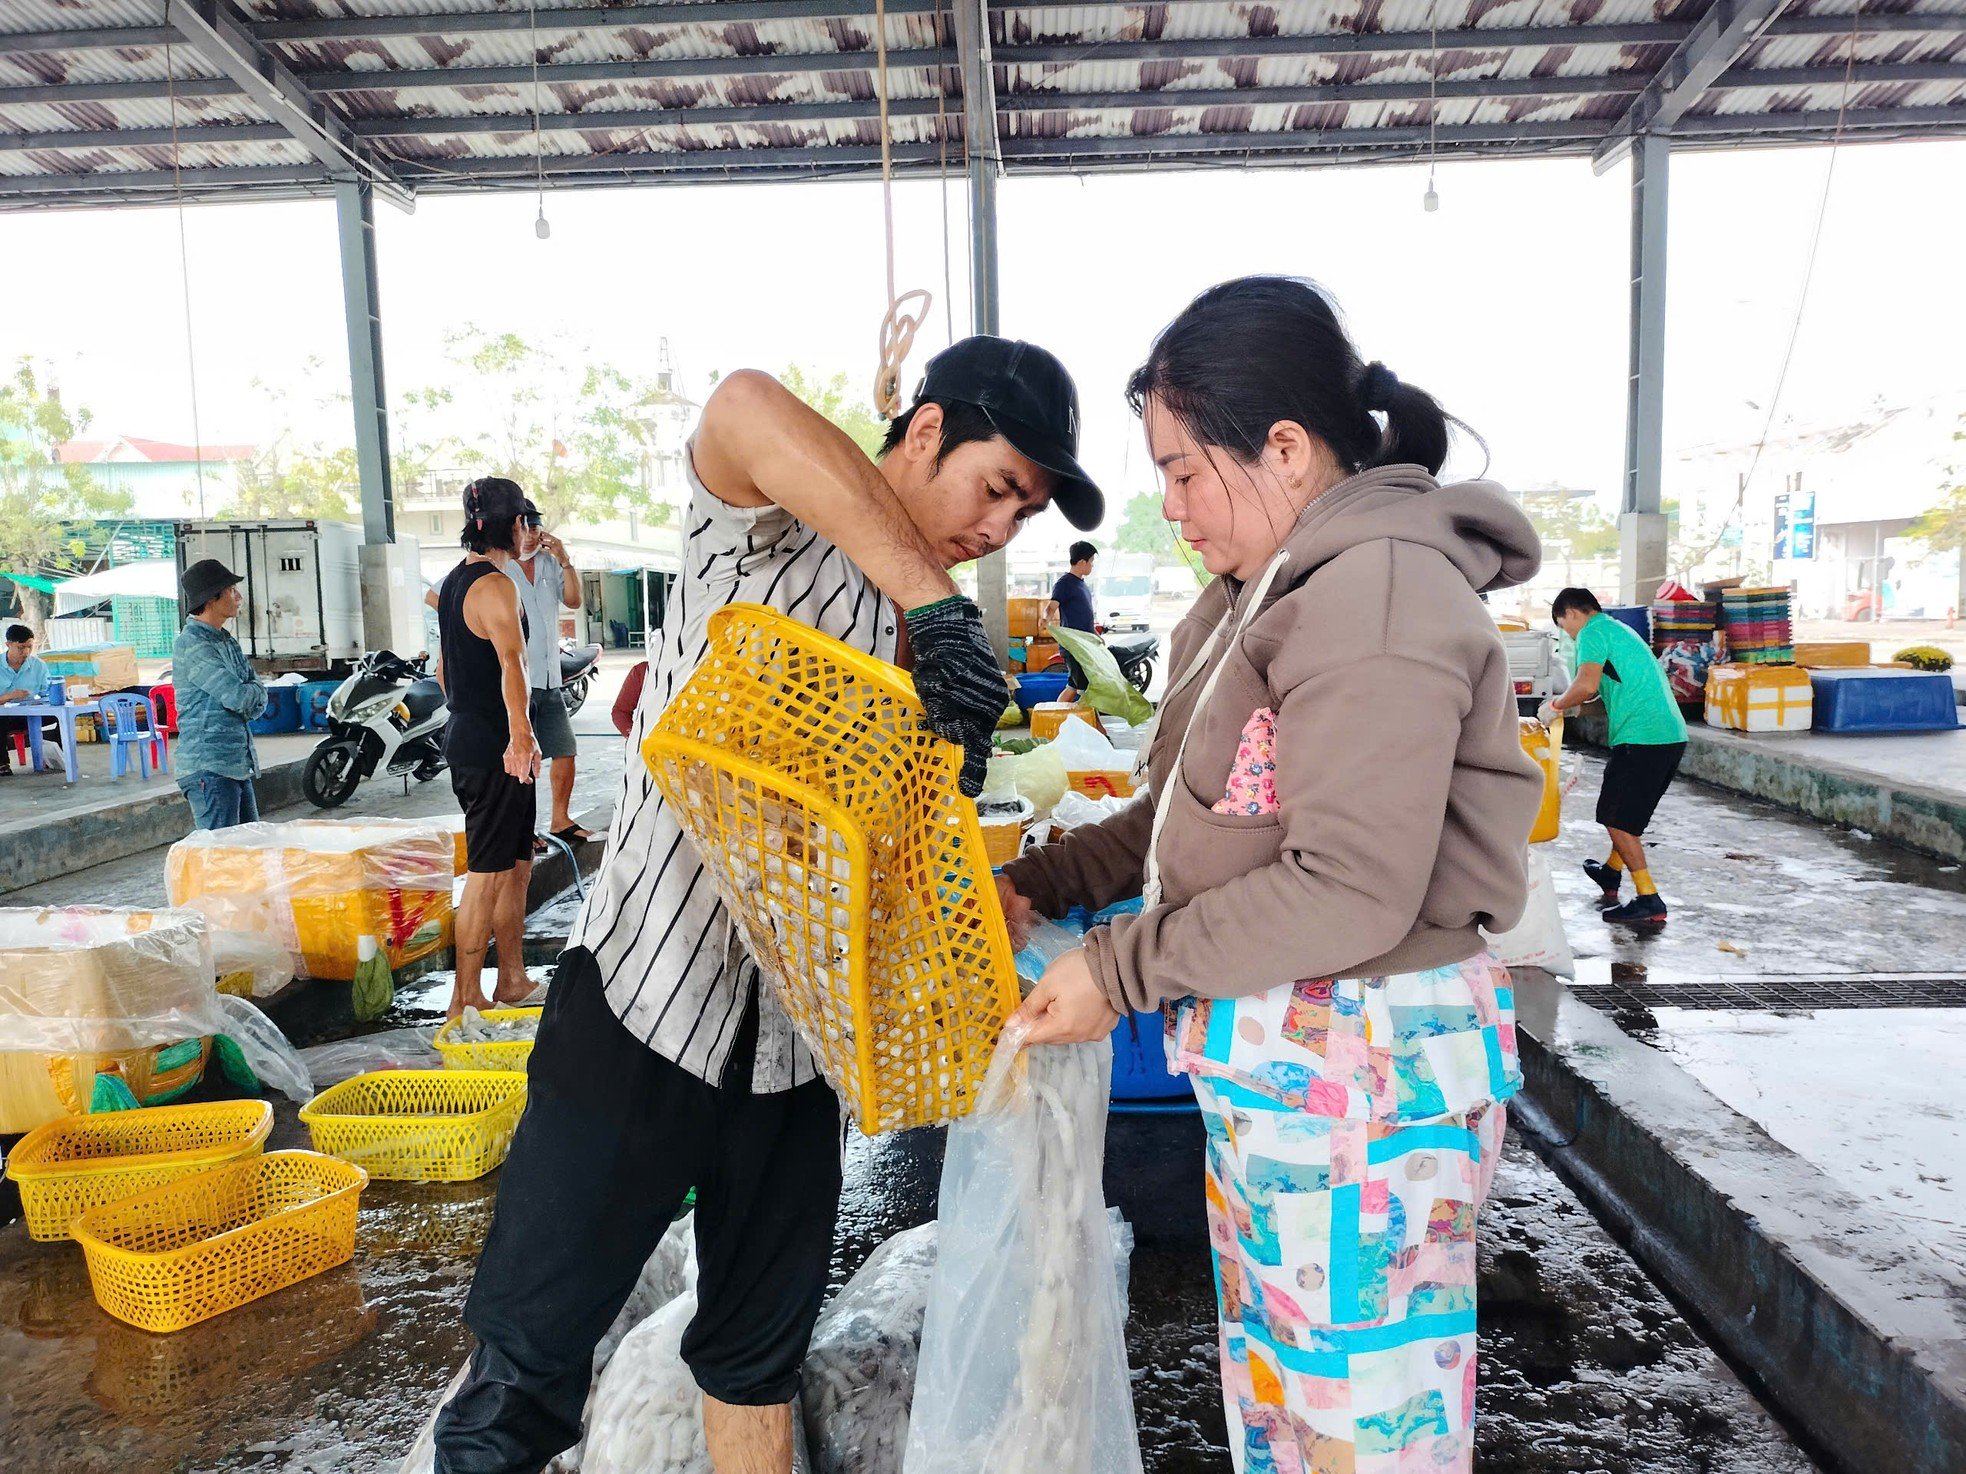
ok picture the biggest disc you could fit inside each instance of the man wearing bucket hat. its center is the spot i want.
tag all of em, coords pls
(663, 1062)
(217, 696)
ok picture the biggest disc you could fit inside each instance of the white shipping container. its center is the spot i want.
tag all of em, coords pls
(302, 587)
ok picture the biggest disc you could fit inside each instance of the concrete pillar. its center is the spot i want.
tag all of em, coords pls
(355, 216)
(1642, 539)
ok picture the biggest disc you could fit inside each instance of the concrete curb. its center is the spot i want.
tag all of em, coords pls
(1855, 1329)
(36, 849)
(1923, 819)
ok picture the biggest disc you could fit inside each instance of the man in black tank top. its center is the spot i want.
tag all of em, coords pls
(489, 743)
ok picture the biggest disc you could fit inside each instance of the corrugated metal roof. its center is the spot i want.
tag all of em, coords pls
(441, 95)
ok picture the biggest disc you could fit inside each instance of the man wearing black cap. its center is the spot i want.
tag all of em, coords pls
(217, 695)
(662, 1063)
(489, 742)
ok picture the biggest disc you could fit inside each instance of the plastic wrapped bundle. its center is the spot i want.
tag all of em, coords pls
(316, 887)
(1023, 1360)
(860, 1367)
(86, 990)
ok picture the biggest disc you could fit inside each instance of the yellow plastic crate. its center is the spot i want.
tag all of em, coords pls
(827, 816)
(505, 1054)
(419, 1125)
(67, 1167)
(205, 1244)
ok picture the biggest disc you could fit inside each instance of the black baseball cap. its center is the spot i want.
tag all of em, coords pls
(1026, 393)
(204, 581)
(491, 498)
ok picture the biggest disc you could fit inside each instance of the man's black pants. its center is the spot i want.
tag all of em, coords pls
(613, 1138)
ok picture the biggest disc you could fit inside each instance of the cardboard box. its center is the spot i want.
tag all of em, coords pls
(1832, 654)
(1048, 718)
(1026, 617)
(103, 667)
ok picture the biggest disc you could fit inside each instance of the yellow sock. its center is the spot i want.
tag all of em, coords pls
(1616, 862)
(1643, 880)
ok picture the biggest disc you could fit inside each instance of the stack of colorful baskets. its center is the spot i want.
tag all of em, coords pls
(1758, 626)
(1682, 637)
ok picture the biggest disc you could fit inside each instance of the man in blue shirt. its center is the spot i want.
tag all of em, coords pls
(23, 677)
(217, 695)
(1071, 605)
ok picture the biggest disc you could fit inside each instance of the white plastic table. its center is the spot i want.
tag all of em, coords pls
(64, 713)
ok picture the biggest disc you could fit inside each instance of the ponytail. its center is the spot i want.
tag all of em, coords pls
(1262, 349)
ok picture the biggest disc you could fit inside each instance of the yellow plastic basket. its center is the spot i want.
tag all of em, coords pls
(205, 1244)
(419, 1125)
(503, 1054)
(71, 1165)
(828, 818)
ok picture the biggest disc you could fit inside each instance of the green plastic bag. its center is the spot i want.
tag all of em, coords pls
(374, 988)
(1107, 690)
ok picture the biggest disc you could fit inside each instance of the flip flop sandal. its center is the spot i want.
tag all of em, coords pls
(574, 834)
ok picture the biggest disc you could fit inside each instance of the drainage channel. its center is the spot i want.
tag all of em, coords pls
(1629, 988)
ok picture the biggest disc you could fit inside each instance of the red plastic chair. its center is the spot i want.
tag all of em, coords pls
(20, 747)
(163, 699)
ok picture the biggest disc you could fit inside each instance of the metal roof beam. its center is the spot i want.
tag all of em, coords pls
(160, 181)
(1719, 37)
(196, 134)
(217, 33)
(119, 91)
(688, 69)
(1819, 120)
(579, 18)
(84, 38)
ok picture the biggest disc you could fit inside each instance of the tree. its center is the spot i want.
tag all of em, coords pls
(573, 437)
(1942, 527)
(1145, 530)
(835, 399)
(40, 496)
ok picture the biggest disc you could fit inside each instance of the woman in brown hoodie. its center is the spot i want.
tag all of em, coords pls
(1337, 802)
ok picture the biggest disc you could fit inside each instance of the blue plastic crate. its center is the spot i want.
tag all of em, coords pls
(1636, 616)
(314, 704)
(282, 712)
(1878, 700)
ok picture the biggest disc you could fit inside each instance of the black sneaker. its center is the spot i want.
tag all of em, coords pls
(1640, 911)
(1606, 879)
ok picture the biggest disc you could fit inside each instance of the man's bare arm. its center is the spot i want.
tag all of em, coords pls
(1583, 689)
(759, 445)
(491, 609)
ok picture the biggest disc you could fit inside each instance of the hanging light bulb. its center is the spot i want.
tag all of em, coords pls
(1430, 201)
(543, 228)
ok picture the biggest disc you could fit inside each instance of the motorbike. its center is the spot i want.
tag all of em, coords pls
(387, 716)
(579, 665)
(1134, 653)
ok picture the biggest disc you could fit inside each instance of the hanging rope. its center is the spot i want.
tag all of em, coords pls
(906, 312)
(942, 165)
(184, 268)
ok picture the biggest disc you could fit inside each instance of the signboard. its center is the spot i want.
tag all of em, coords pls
(1795, 525)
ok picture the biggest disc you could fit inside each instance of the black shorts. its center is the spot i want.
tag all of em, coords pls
(1636, 777)
(613, 1138)
(500, 813)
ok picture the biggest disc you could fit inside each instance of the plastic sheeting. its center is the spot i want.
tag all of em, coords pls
(1538, 940)
(860, 1367)
(1023, 1359)
(317, 887)
(91, 980)
(390, 1049)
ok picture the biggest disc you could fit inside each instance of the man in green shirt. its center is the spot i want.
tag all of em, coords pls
(1648, 738)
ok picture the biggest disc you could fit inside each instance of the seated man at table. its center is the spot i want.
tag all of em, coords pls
(217, 696)
(23, 677)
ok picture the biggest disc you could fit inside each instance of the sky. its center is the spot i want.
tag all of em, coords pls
(1509, 303)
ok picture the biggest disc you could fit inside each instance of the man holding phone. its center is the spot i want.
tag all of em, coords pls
(489, 743)
(548, 582)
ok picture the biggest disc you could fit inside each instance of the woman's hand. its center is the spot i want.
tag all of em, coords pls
(1018, 913)
(1068, 1006)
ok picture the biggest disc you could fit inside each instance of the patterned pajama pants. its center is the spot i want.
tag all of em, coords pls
(1345, 1274)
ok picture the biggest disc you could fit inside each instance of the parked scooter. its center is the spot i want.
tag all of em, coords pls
(579, 665)
(388, 716)
(1135, 654)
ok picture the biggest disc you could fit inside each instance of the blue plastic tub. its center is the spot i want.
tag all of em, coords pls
(1140, 1072)
(1637, 616)
(1859, 700)
(282, 712)
(314, 704)
(1033, 689)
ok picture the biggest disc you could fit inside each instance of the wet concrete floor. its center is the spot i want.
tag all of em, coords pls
(1586, 1367)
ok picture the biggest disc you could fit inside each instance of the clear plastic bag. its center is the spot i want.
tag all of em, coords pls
(860, 1367)
(670, 1270)
(271, 1055)
(390, 1049)
(260, 964)
(1038, 775)
(1023, 1360)
(1538, 940)
(94, 980)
